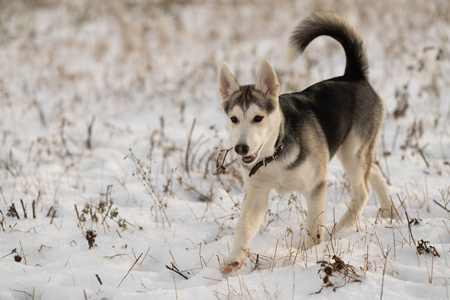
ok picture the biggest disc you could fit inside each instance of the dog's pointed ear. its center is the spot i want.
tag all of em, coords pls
(227, 83)
(267, 81)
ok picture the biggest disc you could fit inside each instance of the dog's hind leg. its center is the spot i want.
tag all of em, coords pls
(379, 185)
(357, 160)
(316, 200)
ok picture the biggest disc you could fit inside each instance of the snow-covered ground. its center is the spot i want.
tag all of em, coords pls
(110, 121)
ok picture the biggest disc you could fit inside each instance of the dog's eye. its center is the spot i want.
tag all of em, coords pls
(234, 120)
(258, 119)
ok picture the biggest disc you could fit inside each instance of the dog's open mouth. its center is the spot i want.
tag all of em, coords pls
(250, 158)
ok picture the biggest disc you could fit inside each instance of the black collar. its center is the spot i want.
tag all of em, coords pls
(267, 160)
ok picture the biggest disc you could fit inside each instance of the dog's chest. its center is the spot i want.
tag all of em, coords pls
(276, 176)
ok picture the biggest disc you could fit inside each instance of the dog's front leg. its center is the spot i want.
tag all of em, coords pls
(253, 211)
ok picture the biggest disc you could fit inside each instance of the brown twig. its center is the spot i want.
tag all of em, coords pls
(2, 221)
(107, 212)
(409, 227)
(130, 270)
(421, 152)
(33, 208)
(12, 212)
(441, 205)
(98, 278)
(12, 252)
(175, 270)
(24, 210)
(89, 138)
(220, 168)
(49, 211)
(78, 215)
(53, 216)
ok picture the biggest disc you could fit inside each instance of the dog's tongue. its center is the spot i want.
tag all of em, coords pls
(249, 159)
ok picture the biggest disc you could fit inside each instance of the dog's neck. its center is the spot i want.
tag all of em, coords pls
(279, 147)
(278, 150)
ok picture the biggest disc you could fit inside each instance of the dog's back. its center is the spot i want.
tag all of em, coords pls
(343, 103)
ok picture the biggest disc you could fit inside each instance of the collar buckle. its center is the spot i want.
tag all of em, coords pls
(267, 160)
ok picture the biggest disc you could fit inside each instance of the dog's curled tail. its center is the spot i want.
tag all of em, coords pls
(340, 29)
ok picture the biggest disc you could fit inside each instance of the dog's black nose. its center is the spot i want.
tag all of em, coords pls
(241, 149)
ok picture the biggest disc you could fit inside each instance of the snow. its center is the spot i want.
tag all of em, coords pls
(138, 73)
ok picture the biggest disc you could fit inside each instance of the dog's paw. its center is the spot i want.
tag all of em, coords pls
(230, 266)
(388, 213)
(311, 241)
(235, 262)
(348, 221)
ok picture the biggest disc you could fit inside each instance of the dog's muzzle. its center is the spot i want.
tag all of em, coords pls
(242, 150)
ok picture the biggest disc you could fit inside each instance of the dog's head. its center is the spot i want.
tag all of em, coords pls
(253, 112)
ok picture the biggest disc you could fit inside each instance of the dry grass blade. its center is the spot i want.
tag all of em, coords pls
(24, 209)
(446, 209)
(384, 272)
(409, 228)
(135, 262)
(24, 256)
(89, 133)
(12, 252)
(188, 147)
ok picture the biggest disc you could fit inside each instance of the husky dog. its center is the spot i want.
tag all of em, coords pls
(286, 141)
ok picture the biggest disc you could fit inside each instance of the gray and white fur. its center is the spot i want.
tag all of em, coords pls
(341, 116)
